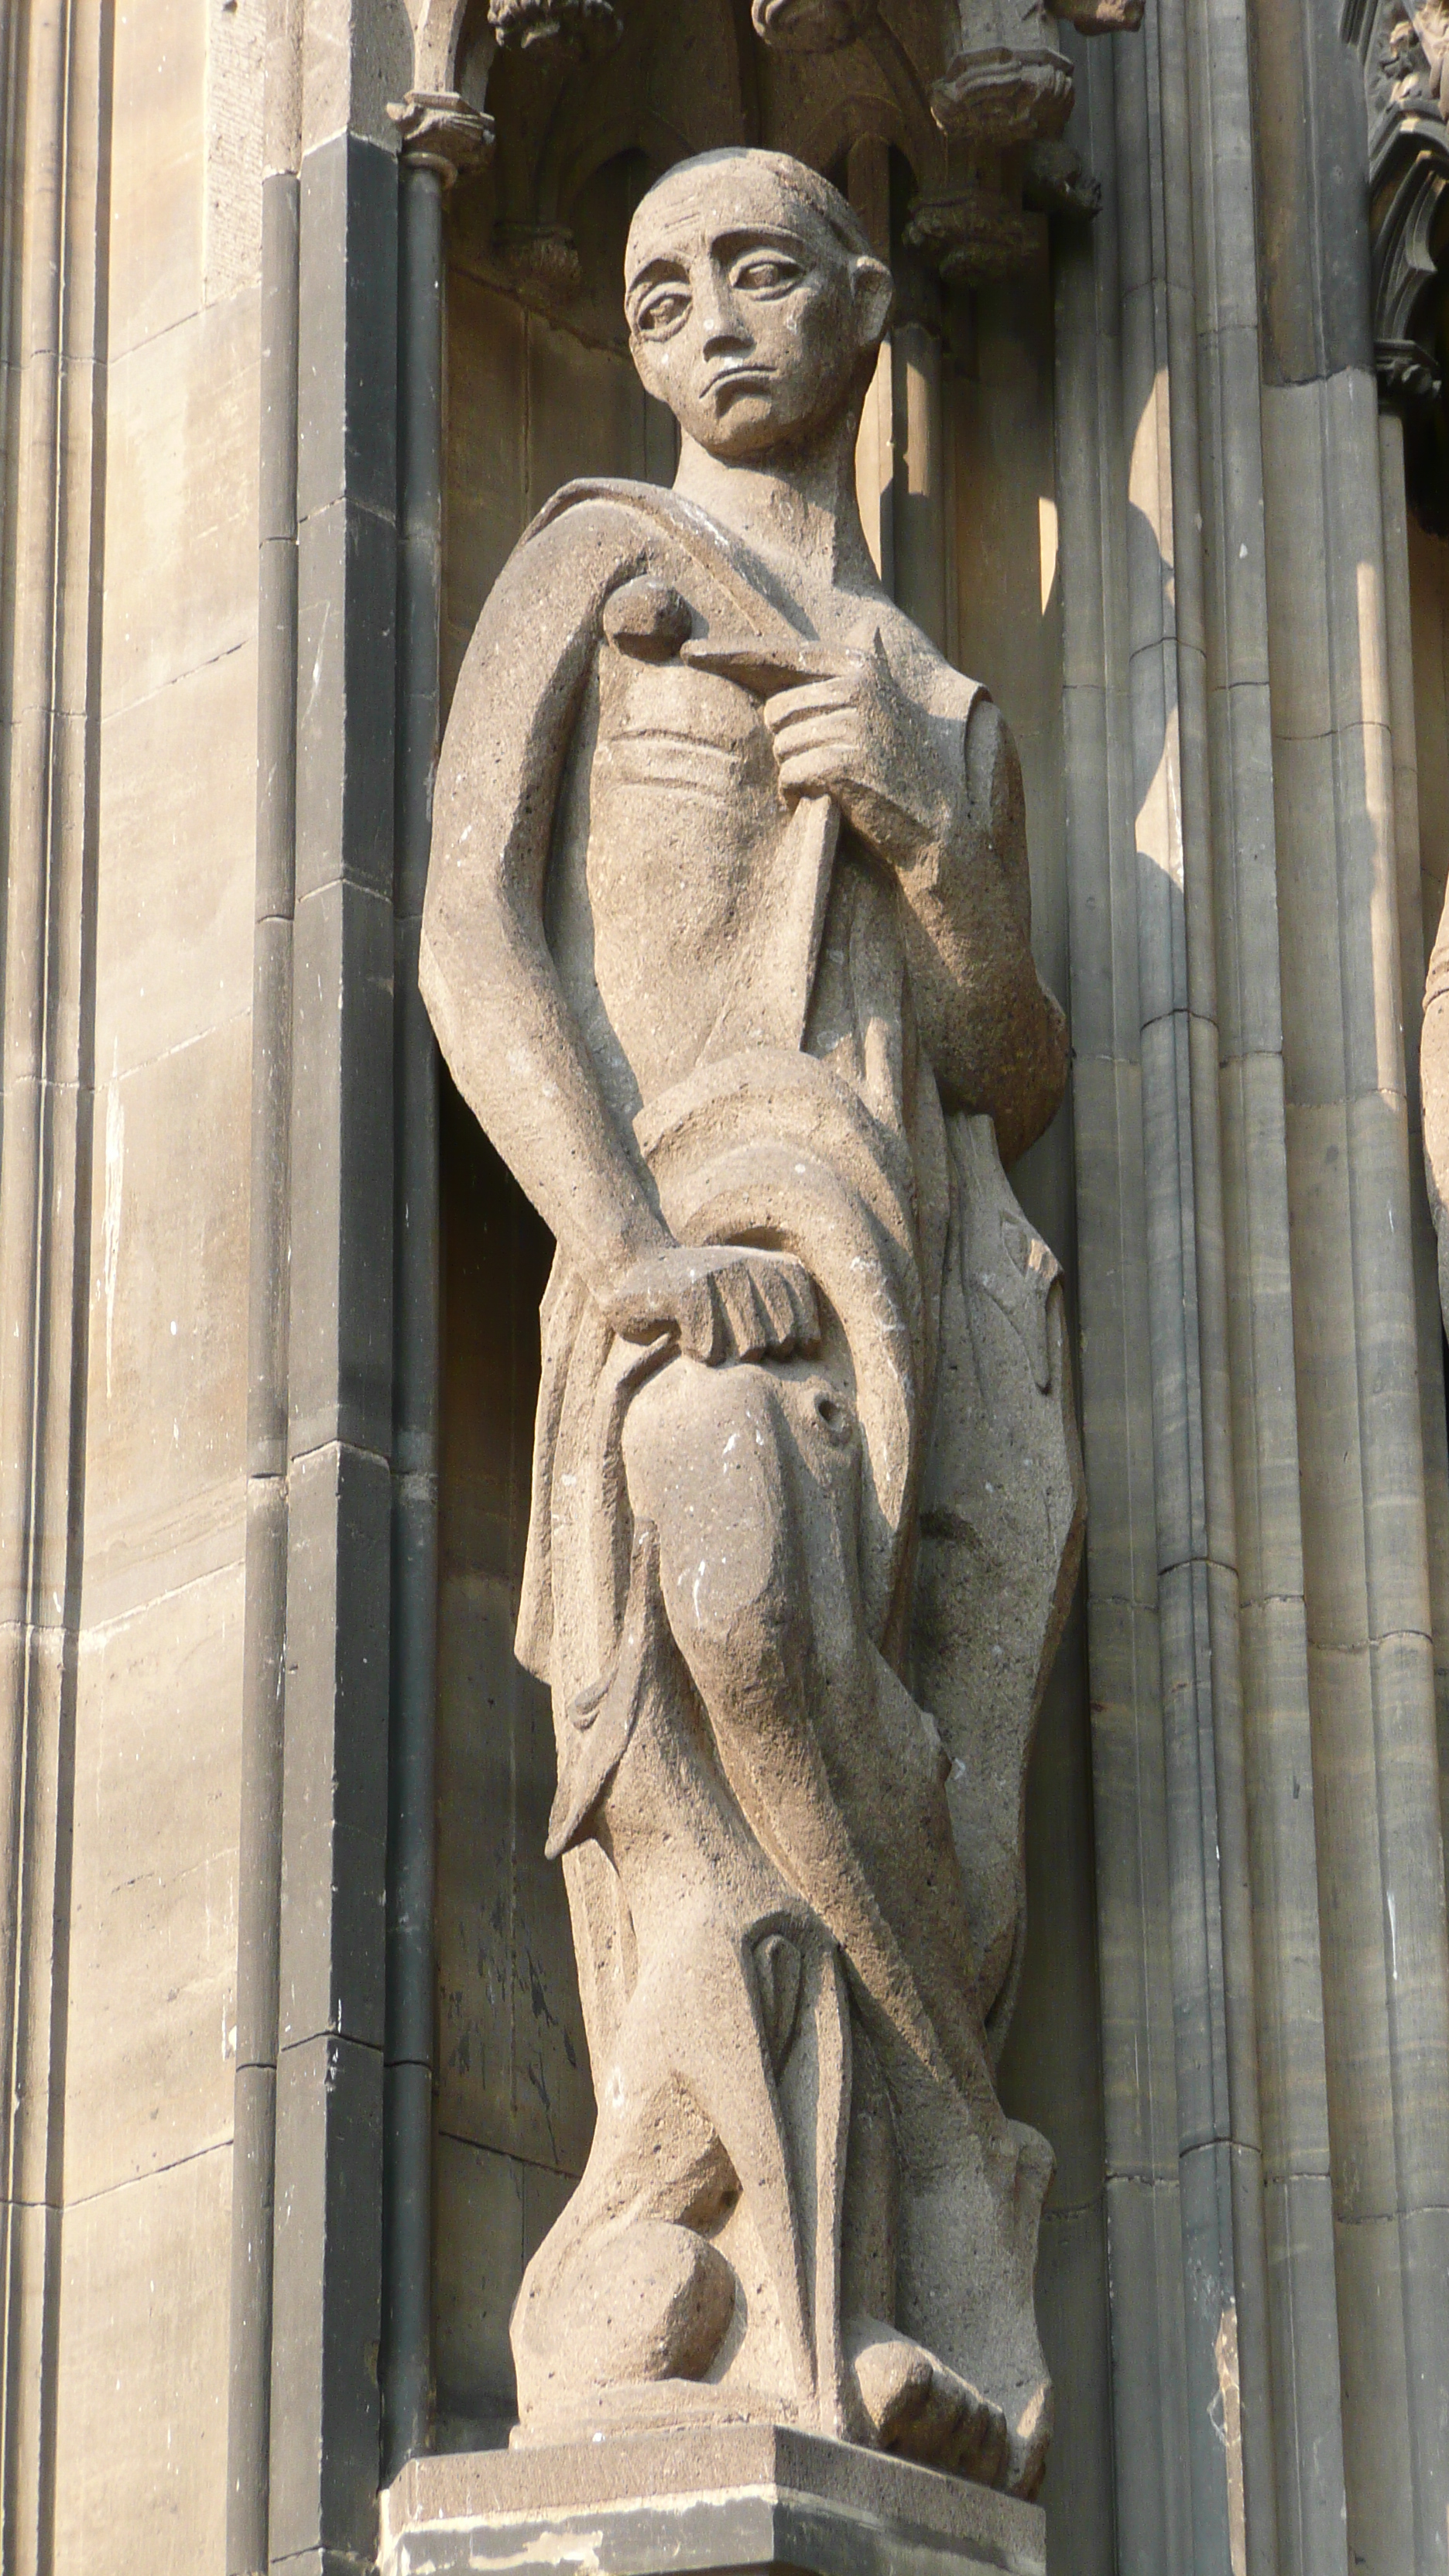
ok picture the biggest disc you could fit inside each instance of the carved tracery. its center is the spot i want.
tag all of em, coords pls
(974, 93)
(1404, 49)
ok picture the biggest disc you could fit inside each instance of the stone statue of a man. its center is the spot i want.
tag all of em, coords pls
(727, 945)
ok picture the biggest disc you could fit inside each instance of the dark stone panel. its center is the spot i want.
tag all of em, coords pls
(271, 1118)
(334, 1834)
(277, 495)
(1210, 2278)
(1051, 2070)
(346, 715)
(1071, 2306)
(248, 2428)
(342, 1158)
(1149, 2377)
(337, 1256)
(1298, 2223)
(1424, 2238)
(415, 1358)
(327, 2311)
(332, 1971)
(347, 376)
(1312, 155)
(261, 1781)
(276, 726)
(513, 2070)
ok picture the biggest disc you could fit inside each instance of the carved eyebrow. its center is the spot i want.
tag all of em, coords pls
(764, 236)
(664, 265)
(672, 266)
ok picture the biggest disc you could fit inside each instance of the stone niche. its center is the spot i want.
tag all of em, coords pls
(955, 477)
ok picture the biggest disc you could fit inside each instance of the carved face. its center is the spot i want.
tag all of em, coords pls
(748, 315)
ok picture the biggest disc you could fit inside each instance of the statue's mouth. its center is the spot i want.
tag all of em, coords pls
(729, 381)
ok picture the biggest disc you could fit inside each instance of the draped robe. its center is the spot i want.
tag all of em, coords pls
(799, 1112)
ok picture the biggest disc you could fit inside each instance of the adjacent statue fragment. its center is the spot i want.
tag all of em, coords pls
(727, 944)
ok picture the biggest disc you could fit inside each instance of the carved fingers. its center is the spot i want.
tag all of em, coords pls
(767, 1302)
(723, 1301)
(857, 736)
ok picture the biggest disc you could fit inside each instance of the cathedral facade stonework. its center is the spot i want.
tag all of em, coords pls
(724, 1495)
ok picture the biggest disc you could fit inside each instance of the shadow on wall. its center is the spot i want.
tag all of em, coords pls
(515, 2106)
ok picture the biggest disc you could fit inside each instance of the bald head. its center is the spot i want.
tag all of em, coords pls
(739, 180)
(755, 305)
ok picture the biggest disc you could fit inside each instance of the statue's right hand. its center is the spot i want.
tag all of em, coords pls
(726, 1301)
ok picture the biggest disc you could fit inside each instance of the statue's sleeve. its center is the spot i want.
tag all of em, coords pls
(512, 715)
(502, 1018)
(996, 1036)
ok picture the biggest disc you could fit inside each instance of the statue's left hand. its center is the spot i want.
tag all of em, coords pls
(896, 772)
(724, 1301)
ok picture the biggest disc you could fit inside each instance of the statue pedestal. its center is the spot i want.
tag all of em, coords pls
(735, 2497)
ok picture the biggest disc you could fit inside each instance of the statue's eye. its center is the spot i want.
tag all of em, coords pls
(662, 313)
(767, 275)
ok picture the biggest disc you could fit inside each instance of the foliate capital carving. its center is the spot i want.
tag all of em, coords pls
(1405, 374)
(1102, 17)
(1403, 46)
(969, 29)
(991, 77)
(565, 27)
(542, 264)
(810, 26)
(438, 130)
(1005, 81)
(972, 234)
(1055, 180)
(998, 80)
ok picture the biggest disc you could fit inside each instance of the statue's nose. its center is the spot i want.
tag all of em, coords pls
(723, 327)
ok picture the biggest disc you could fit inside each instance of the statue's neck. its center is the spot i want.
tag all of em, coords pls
(799, 511)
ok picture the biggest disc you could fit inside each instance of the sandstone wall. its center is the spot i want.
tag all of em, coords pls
(116, 2444)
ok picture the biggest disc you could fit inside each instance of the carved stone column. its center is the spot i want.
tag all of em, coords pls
(337, 1288)
(54, 93)
(439, 135)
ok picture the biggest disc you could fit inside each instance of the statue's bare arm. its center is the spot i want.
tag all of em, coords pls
(503, 1021)
(937, 795)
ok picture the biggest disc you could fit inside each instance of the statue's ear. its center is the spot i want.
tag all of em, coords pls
(874, 295)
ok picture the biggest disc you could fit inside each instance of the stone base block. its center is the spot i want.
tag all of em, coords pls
(736, 2498)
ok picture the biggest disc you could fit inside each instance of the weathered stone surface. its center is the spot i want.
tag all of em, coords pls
(180, 491)
(478, 2217)
(511, 2072)
(340, 1343)
(725, 2497)
(152, 2037)
(334, 1825)
(166, 1418)
(794, 1309)
(157, 173)
(491, 2213)
(1429, 611)
(325, 2399)
(235, 78)
(1071, 2289)
(174, 940)
(140, 2435)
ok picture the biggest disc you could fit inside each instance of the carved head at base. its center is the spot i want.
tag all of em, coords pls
(755, 303)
